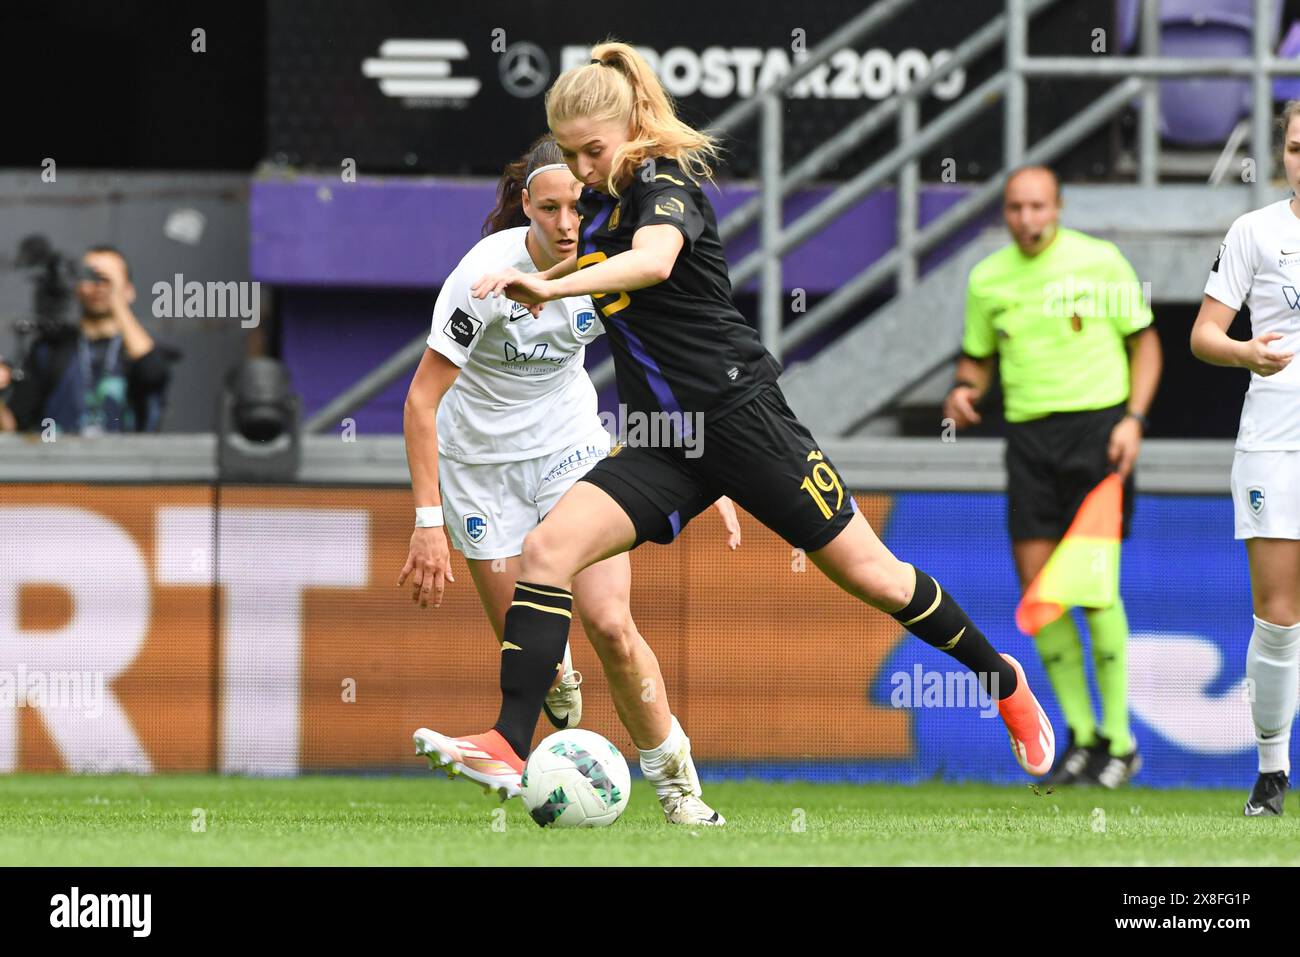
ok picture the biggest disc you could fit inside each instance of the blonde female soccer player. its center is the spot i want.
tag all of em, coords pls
(650, 257)
(502, 416)
(1259, 265)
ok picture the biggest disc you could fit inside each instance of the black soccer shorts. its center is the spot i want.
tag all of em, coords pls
(758, 454)
(1052, 465)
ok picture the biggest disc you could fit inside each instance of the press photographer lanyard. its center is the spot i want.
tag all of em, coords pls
(92, 422)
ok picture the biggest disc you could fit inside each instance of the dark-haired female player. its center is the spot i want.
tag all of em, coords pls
(501, 415)
(651, 259)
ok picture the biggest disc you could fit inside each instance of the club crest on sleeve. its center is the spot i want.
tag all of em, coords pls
(462, 327)
(475, 527)
(583, 320)
(1255, 495)
(614, 217)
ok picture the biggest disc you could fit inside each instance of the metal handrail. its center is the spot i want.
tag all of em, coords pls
(849, 192)
(900, 262)
(819, 160)
(956, 216)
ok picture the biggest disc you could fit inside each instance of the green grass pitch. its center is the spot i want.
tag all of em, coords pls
(123, 820)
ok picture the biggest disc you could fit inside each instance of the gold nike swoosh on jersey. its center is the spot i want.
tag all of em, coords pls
(510, 646)
(953, 644)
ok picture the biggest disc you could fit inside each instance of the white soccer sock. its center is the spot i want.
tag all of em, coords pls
(661, 766)
(654, 759)
(1273, 665)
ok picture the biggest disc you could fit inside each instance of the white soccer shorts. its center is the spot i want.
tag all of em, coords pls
(1266, 494)
(489, 508)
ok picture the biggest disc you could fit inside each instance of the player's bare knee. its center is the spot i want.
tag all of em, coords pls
(1280, 612)
(891, 596)
(540, 557)
(612, 634)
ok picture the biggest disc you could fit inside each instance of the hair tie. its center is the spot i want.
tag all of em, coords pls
(599, 62)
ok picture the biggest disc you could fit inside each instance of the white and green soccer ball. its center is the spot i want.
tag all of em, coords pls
(576, 778)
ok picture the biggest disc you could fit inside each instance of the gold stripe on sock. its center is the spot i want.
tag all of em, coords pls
(542, 591)
(938, 596)
(553, 611)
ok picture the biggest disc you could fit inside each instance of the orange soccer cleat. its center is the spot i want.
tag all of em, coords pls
(486, 759)
(1032, 740)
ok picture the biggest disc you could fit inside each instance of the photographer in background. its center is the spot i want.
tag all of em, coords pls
(104, 374)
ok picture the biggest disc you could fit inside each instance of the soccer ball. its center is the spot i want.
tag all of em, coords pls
(575, 778)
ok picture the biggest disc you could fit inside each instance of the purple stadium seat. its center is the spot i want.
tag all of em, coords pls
(1201, 111)
(1234, 13)
(1126, 21)
(1288, 87)
(1198, 13)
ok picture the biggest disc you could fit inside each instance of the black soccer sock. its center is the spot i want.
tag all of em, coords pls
(537, 629)
(936, 618)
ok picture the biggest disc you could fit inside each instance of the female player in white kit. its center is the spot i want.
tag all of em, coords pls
(1259, 265)
(502, 415)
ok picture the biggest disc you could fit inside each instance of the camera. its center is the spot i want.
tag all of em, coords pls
(55, 276)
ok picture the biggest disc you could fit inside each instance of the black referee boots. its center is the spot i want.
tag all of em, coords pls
(1074, 764)
(1267, 794)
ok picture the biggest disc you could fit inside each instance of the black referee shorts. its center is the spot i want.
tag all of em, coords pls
(758, 454)
(1052, 465)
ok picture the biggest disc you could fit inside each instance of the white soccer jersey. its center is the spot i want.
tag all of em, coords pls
(522, 391)
(1259, 265)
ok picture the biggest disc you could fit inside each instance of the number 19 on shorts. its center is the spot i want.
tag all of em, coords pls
(822, 481)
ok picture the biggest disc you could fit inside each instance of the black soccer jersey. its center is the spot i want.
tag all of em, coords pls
(679, 345)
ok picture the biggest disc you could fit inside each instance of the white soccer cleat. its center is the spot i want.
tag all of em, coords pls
(677, 786)
(563, 703)
(485, 759)
(690, 810)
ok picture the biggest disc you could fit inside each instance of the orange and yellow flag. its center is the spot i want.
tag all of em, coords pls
(1084, 569)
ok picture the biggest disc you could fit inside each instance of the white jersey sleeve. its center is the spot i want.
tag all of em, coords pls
(460, 320)
(1259, 268)
(1234, 269)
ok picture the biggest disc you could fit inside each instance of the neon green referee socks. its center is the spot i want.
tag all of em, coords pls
(1108, 630)
(1061, 650)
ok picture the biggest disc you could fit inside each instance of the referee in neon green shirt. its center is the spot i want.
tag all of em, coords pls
(1064, 316)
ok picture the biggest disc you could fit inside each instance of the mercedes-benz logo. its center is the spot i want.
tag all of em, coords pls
(524, 70)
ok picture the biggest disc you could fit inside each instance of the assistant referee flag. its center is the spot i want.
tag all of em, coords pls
(1083, 571)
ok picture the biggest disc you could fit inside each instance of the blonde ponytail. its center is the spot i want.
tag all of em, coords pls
(619, 86)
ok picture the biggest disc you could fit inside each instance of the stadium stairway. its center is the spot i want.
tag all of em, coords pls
(899, 361)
